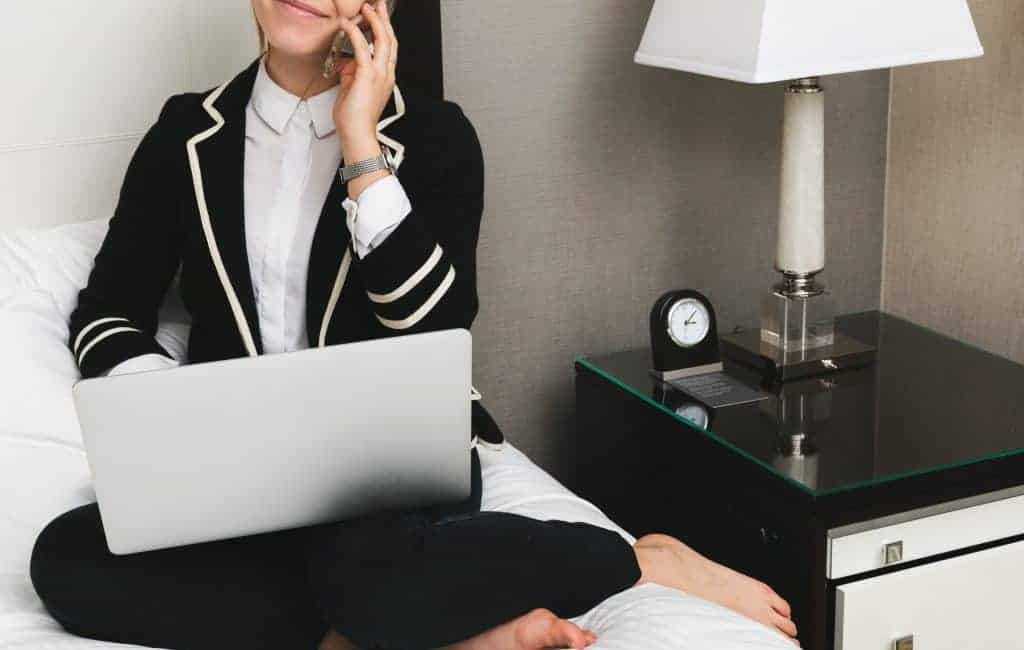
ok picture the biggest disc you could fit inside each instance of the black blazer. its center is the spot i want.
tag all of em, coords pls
(181, 207)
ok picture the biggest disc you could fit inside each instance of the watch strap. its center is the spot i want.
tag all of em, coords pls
(364, 167)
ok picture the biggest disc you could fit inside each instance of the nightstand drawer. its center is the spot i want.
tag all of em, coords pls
(924, 533)
(969, 601)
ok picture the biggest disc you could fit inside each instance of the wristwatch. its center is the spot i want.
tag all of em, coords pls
(364, 167)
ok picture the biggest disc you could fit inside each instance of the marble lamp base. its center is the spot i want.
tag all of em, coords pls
(797, 337)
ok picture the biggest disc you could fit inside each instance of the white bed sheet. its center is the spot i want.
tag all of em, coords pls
(39, 478)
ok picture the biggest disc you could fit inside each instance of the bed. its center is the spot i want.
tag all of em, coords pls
(43, 469)
(48, 240)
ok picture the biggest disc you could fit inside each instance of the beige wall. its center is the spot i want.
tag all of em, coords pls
(609, 183)
(954, 250)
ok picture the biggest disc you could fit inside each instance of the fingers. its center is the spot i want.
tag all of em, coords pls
(359, 44)
(381, 39)
(391, 34)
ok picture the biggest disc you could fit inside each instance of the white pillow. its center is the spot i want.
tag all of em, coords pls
(41, 273)
(37, 370)
(56, 260)
(653, 617)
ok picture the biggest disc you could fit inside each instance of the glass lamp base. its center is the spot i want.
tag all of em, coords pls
(797, 322)
(797, 337)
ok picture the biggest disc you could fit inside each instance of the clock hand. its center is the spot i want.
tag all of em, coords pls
(688, 321)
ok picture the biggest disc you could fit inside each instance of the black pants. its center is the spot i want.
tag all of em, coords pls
(410, 579)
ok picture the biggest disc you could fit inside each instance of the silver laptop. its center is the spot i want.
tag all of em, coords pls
(231, 448)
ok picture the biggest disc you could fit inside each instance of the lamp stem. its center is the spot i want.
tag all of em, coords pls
(800, 253)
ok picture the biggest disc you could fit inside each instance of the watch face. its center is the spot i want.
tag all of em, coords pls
(694, 413)
(688, 322)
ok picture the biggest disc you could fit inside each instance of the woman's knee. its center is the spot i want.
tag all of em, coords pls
(61, 549)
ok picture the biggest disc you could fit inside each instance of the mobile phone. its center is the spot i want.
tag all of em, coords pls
(342, 45)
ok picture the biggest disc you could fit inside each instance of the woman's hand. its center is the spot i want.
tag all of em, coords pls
(367, 82)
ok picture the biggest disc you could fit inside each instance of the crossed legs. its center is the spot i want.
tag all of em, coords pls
(442, 577)
(661, 559)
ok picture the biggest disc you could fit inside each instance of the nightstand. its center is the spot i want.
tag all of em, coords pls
(886, 503)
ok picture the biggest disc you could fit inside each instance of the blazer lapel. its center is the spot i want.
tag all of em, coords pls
(218, 154)
(217, 158)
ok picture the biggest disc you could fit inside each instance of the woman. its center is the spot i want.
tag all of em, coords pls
(239, 187)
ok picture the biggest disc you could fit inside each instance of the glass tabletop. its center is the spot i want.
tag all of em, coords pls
(927, 403)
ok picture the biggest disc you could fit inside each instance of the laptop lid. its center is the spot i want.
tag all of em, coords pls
(230, 448)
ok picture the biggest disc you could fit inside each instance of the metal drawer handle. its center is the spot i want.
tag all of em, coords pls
(893, 554)
(904, 643)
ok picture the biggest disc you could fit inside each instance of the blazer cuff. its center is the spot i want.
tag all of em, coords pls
(377, 213)
(406, 276)
(106, 342)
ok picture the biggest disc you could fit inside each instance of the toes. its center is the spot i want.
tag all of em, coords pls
(542, 629)
(780, 605)
(777, 602)
(568, 635)
(784, 624)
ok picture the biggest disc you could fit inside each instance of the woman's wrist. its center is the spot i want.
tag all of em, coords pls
(359, 148)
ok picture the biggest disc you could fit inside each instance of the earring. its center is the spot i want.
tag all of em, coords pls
(337, 51)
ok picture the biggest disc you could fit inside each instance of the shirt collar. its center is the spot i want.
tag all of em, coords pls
(322, 108)
(276, 106)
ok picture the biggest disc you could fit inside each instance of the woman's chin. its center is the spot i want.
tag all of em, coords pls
(291, 41)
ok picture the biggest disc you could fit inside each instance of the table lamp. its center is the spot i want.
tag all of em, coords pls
(764, 41)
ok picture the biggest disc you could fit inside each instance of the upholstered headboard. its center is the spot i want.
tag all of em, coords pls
(84, 80)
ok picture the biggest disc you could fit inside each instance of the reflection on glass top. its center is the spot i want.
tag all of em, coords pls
(927, 403)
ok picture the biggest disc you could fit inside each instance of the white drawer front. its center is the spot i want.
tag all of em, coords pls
(926, 536)
(967, 602)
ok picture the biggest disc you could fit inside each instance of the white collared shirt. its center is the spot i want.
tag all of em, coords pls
(291, 158)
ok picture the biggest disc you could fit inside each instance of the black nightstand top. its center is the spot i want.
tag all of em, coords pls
(928, 404)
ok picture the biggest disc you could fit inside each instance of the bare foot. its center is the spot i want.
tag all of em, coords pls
(668, 562)
(334, 641)
(534, 631)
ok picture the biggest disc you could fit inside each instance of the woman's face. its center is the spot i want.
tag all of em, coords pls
(302, 27)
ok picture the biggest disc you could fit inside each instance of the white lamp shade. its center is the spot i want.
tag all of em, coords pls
(761, 41)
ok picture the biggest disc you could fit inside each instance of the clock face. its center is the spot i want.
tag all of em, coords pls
(694, 413)
(688, 322)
